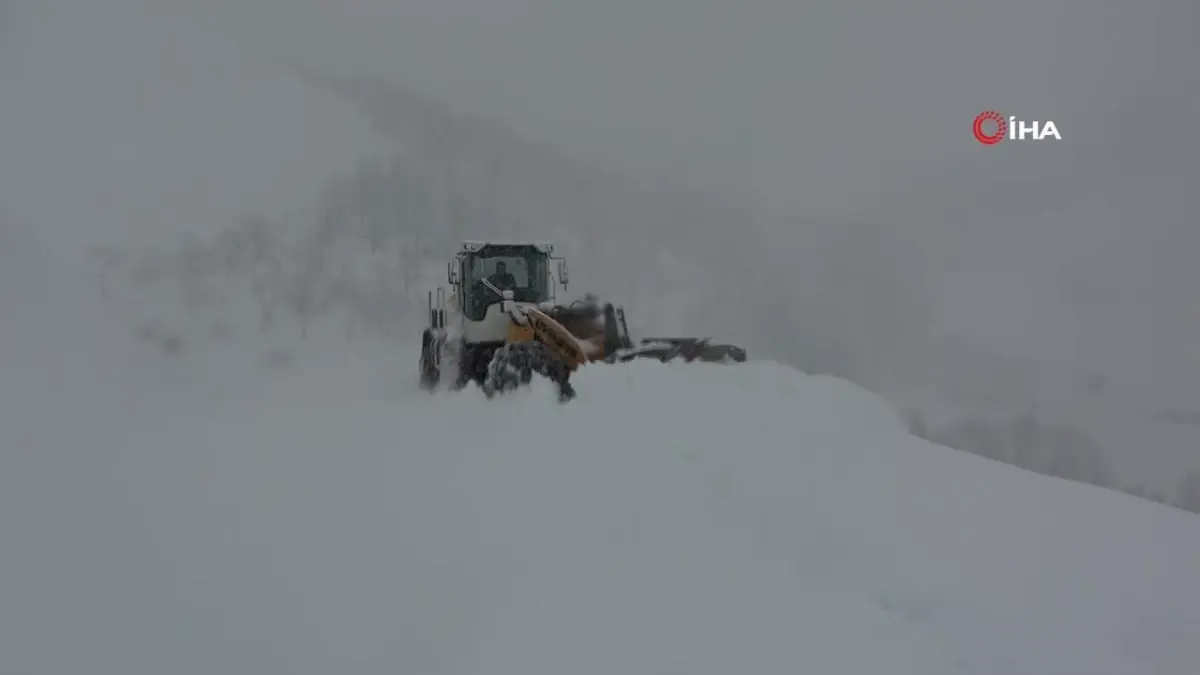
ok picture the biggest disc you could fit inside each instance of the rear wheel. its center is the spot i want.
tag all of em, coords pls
(515, 364)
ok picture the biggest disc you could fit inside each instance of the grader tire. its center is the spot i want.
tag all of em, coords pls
(514, 365)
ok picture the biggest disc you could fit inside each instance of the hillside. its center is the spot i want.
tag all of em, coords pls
(854, 300)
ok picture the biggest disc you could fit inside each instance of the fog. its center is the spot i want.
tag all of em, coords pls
(133, 121)
(219, 221)
(121, 122)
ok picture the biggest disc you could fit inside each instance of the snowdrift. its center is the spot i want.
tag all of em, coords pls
(673, 519)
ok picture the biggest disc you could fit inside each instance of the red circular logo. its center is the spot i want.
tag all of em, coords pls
(992, 138)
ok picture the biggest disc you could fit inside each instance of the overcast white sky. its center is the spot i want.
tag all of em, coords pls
(138, 117)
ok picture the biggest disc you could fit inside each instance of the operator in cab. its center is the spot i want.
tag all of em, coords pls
(502, 278)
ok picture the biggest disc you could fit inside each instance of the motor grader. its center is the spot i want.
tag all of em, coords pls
(499, 324)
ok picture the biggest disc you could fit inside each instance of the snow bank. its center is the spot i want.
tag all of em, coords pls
(684, 519)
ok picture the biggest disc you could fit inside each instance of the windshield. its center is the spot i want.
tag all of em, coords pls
(521, 270)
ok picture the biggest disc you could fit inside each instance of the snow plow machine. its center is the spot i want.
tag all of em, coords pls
(499, 325)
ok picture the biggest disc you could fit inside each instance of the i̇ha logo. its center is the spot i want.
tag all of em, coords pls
(991, 127)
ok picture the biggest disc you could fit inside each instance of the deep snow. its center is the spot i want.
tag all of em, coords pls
(673, 519)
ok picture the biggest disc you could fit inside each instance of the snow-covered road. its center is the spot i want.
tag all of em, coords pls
(674, 519)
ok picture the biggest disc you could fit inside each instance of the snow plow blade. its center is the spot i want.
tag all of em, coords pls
(685, 349)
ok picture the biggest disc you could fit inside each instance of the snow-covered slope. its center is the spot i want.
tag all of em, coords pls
(673, 519)
(129, 122)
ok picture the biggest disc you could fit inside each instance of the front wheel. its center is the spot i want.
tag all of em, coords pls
(430, 362)
(514, 365)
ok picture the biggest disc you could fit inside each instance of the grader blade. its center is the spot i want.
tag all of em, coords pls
(685, 349)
